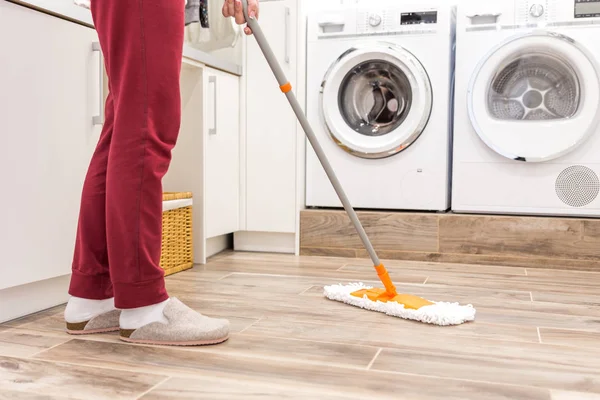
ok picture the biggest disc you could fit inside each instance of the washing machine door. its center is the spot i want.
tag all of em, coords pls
(535, 97)
(376, 100)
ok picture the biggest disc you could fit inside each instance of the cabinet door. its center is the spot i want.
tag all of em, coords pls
(271, 125)
(50, 93)
(186, 171)
(222, 152)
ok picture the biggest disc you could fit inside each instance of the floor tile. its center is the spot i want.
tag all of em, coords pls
(77, 382)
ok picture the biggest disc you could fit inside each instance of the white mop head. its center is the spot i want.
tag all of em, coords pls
(440, 313)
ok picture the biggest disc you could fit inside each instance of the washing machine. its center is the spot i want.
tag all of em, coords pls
(379, 85)
(526, 134)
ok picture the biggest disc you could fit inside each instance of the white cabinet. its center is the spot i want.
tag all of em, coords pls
(270, 201)
(51, 88)
(51, 85)
(206, 159)
(222, 152)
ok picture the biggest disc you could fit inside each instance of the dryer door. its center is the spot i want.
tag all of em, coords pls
(376, 100)
(535, 97)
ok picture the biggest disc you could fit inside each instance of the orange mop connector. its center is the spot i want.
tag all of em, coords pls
(388, 293)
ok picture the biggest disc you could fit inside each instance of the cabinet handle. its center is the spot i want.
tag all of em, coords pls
(99, 119)
(287, 35)
(213, 80)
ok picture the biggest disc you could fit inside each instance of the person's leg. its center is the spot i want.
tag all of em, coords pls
(91, 287)
(144, 40)
(90, 270)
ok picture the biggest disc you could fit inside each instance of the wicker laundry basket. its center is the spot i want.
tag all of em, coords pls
(177, 240)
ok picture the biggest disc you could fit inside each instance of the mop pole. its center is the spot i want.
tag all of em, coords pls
(286, 88)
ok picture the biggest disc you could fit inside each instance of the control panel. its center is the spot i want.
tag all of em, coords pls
(394, 20)
(530, 13)
(587, 8)
(373, 21)
(423, 17)
(535, 11)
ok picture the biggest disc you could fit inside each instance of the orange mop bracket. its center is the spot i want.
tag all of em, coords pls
(389, 293)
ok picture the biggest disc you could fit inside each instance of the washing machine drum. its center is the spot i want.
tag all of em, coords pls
(534, 87)
(535, 97)
(376, 100)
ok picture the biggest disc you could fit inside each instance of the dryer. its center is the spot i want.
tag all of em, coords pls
(526, 134)
(378, 97)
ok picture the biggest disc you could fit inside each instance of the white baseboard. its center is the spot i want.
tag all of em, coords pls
(218, 244)
(19, 301)
(265, 242)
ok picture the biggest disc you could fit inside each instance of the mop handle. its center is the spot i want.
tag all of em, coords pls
(286, 88)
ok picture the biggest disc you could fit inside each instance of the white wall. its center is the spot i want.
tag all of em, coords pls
(315, 5)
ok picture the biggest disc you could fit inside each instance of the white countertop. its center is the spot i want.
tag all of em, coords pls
(68, 10)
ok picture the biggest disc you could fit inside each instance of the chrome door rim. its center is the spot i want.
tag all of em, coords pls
(409, 65)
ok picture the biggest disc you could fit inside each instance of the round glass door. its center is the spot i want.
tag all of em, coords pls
(376, 101)
(535, 97)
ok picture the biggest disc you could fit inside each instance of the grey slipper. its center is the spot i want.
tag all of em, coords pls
(107, 322)
(186, 327)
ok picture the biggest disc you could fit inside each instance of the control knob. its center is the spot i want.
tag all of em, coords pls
(536, 10)
(374, 20)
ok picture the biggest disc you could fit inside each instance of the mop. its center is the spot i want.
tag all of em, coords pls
(385, 300)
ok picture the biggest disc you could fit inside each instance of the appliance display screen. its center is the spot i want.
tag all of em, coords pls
(587, 8)
(425, 17)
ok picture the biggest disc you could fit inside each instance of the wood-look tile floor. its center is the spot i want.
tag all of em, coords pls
(536, 336)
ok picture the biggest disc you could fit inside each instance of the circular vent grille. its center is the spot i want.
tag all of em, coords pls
(577, 186)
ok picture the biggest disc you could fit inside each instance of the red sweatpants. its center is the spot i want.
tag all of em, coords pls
(118, 246)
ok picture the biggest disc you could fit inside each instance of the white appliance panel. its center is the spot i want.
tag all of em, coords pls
(484, 181)
(418, 176)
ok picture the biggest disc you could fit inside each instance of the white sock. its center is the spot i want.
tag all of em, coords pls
(80, 310)
(135, 318)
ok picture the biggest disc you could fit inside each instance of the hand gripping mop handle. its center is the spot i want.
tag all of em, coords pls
(286, 88)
